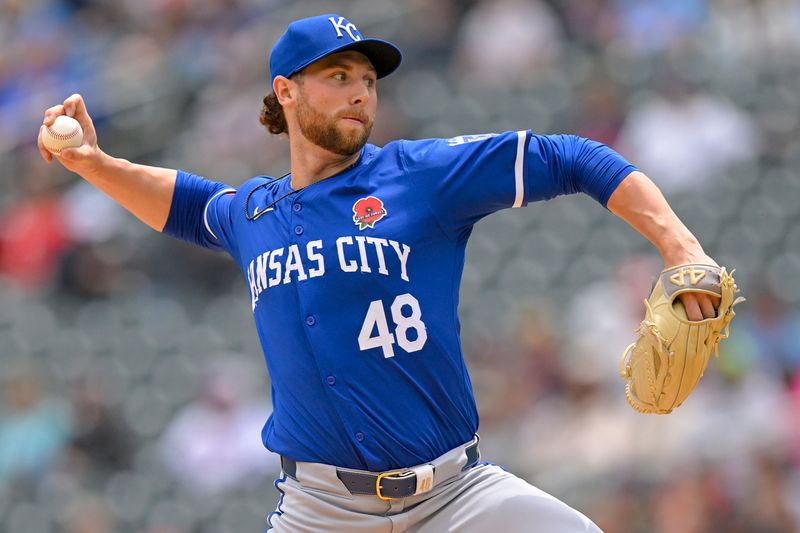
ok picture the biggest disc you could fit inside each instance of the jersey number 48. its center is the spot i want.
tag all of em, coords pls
(376, 320)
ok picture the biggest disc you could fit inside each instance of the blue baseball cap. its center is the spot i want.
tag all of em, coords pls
(310, 39)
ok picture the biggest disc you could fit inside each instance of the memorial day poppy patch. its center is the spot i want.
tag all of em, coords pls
(367, 211)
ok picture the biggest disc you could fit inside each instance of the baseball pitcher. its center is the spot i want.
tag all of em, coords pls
(352, 263)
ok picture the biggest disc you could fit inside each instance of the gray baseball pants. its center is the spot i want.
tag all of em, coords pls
(481, 499)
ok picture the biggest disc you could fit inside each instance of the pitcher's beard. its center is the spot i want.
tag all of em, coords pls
(327, 133)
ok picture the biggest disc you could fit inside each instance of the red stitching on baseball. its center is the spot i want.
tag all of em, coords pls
(62, 136)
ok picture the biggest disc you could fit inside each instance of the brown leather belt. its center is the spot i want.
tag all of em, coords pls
(385, 485)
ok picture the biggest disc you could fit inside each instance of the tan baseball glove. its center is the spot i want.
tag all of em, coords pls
(668, 359)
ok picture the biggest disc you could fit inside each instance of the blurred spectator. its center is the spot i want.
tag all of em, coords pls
(589, 22)
(213, 445)
(102, 442)
(679, 505)
(90, 271)
(605, 314)
(510, 377)
(766, 339)
(34, 428)
(769, 506)
(683, 139)
(600, 111)
(505, 43)
(94, 223)
(90, 215)
(752, 32)
(88, 514)
(651, 27)
(537, 348)
(621, 507)
(32, 235)
(33, 37)
(793, 453)
(435, 26)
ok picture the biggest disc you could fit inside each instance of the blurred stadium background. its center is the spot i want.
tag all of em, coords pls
(133, 385)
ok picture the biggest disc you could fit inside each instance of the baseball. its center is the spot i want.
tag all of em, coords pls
(65, 132)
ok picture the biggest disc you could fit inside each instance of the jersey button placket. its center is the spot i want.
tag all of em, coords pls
(297, 207)
(359, 436)
(298, 230)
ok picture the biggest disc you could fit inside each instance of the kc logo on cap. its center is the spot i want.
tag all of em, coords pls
(339, 25)
(308, 40)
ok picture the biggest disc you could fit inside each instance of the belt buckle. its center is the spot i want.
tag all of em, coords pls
(398, 473)
(423, 473)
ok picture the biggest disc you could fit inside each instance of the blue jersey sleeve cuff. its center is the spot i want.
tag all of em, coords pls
(187, 217)
(599, 169)
(614, 182)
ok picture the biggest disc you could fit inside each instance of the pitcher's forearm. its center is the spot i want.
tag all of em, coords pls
(639, 202)
(143, 190)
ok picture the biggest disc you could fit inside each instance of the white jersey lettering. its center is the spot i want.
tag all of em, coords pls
(315, 256)
(294, 264)
(253, 288)
(379, 244)
(274, 265)
(282, 266)
(402, 256)
(349, 266)
(362, 252)
(261, 271)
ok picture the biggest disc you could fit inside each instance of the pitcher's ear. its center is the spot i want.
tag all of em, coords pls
(284, 89)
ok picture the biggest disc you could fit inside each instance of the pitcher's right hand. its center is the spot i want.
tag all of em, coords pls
(83, 159)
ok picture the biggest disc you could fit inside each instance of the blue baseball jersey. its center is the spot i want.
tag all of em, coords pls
(354, 283)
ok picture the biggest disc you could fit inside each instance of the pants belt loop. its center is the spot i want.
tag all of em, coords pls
(289, 467)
